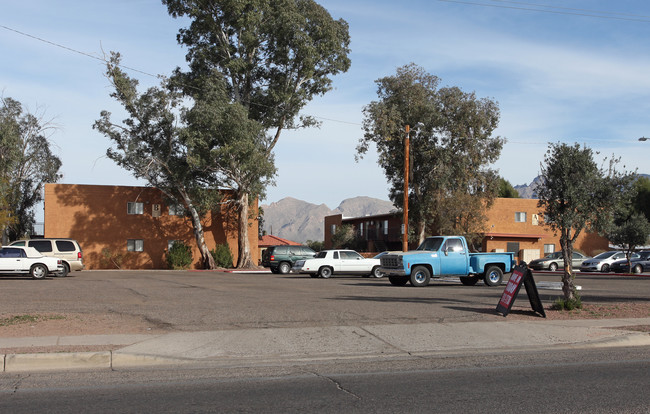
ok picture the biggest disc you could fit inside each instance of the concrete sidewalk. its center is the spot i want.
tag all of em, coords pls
(283, 345)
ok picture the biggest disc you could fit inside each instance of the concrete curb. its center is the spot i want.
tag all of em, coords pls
(249, 347)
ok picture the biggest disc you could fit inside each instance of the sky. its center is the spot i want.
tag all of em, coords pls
(572, 71)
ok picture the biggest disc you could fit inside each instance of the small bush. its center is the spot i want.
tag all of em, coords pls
(179, 256)
(222, 256)
(568, 304)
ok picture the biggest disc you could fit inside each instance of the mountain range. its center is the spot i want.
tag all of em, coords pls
(300, 221)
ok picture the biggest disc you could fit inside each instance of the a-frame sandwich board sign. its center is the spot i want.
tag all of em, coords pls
(520, 275)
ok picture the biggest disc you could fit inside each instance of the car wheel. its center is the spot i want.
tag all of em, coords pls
(552, 267)
(605, 268)
(493, 276)
(65, 271)
(420, 276)
(469, 280)
(284, 268)
(325, 272)
(38, 271)
(637, 269)
(398, 280)
(376, 273)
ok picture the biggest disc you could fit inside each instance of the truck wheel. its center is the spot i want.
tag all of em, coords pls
(325, 272)
(420, 276)
(469, 280)
(284, 268)
(493, 276)
(38, 271)
(398, 280)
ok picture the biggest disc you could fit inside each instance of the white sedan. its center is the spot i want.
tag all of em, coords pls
(28, 260)
(328, 262)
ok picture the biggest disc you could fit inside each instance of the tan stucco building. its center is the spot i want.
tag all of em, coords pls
(513, 225)
(132, 227)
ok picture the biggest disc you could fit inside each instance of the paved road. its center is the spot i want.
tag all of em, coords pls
(200, 301)
(614, 380)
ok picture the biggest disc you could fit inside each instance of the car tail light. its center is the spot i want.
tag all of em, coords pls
(79, 255)
(272, 258)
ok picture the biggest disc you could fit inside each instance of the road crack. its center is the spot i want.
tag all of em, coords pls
(337, 384)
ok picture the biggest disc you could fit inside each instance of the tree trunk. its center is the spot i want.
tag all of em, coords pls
(567, 278)
(244, 259)
(206, 256)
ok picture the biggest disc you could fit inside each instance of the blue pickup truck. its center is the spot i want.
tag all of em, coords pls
(445, 256)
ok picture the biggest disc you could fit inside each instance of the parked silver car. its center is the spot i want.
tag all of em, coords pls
(553, 261)
(603, 261)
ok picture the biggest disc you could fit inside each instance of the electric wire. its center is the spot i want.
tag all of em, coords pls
(557, 10)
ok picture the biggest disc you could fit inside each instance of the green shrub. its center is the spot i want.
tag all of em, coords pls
(179, 256)
(568, 305)
(222, 256)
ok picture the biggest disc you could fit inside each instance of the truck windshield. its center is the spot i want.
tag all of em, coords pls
(432, 243)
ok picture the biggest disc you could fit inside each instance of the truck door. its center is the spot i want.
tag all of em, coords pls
(453, 260)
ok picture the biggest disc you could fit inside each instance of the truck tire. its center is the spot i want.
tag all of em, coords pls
(469, 280)
(398, 280)
(493, 276)
(420, 276)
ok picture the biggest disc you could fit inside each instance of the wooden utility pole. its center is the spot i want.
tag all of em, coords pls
(405, 218)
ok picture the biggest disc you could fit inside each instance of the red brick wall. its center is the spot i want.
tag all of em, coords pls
(96, 216)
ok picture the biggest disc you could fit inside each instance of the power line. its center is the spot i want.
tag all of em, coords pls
(558, 10)
(73, 50)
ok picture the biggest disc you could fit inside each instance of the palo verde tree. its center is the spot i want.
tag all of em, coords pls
(26, 164)
(452, 147)
(274, 55)
(576, 195)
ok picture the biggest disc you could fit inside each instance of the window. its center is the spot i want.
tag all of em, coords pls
(512, 247)
(549, 248)
(134, 208)
(135, 245)
(385, 226)
(176, 210)
(43, 246)
(520, 217)
(453, 245)
(65, 246)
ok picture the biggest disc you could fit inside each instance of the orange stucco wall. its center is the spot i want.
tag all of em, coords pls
(501, 220)
(501, 229)
(96, 216)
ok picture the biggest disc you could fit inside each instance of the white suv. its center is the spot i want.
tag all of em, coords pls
(68, 250)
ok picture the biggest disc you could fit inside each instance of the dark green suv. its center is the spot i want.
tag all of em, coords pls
(281, 258)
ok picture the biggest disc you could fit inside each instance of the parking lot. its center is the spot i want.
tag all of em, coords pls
(196, 301)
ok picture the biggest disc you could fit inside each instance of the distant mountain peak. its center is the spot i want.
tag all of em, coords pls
(299, 220)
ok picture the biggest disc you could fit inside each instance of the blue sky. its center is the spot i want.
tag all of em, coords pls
(560, 75)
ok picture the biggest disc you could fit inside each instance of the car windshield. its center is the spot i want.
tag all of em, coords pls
(432, 243)
(605, 255)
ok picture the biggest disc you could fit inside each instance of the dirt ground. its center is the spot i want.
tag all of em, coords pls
(52, 324)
